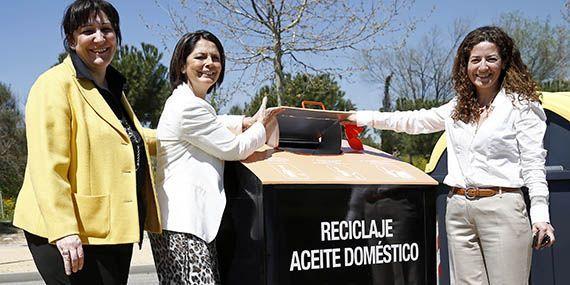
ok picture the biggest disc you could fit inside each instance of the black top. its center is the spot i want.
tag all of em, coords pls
(112, 95)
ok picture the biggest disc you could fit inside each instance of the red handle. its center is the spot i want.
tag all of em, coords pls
(314, 103)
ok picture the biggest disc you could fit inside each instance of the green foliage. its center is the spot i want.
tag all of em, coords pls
(148, 86)
(8, 206)
(555, 86)
(302, 87)
(370, 139)
(419, 161)
(236, 110)
(217, 99)
(12, 144)
(415, 144)
(544, 47)
(414, 149)
(60, 58)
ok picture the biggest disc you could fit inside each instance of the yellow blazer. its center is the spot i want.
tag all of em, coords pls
(80, 175)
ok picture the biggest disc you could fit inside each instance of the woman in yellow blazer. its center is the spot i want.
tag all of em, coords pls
(88, 190)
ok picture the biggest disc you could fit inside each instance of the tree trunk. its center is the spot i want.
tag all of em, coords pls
(387, 101)
(278, 67)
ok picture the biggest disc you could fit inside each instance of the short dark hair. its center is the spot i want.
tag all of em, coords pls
(184, 47)
(79, 13)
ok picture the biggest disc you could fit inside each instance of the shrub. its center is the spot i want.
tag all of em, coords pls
(8, 204)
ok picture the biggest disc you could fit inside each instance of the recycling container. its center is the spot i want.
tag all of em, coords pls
(351, 218)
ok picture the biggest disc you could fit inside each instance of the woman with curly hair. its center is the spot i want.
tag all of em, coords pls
(494, 127)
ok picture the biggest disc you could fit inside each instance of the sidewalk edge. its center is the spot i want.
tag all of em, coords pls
(35, 276)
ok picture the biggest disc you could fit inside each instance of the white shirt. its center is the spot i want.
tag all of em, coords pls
(505, 150)
(193, 143)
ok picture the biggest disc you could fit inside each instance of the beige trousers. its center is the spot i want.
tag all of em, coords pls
(489, 239)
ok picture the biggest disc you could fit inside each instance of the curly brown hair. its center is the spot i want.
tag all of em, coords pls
(514, 78)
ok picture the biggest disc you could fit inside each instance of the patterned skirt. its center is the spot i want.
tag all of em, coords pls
(183, 258)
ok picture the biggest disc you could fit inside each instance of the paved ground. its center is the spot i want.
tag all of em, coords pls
(17, 266)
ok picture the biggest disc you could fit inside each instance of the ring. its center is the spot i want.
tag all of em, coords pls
(65, 252)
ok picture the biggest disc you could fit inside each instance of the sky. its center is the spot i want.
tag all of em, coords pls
(31, 39)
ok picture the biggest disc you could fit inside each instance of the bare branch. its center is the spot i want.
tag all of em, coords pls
(422, 72)
(267, 33)
(261, 17)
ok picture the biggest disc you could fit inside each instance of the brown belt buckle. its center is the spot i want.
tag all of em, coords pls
(471, 197)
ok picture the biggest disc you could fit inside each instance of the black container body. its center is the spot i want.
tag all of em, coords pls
(309, 132)
(326, 234)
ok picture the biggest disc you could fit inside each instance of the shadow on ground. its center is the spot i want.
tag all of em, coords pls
(7, 228)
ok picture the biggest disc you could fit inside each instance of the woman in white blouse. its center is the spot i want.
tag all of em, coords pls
(494, 127)
(193, 142)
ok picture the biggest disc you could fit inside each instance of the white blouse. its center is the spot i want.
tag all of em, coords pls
(193, 142)
(505, 150)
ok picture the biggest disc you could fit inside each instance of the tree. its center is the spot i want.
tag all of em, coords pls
(148, 86)
(389, 139)
(12, 144)
(264, 36)
(413, 77)
(421, 72)
(566, 11)
(322, 88)
(555, 86)
(420, 146)
(236, 110)
(544, 48)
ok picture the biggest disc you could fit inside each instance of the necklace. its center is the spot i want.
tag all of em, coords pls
(487, 108)
(484, 112)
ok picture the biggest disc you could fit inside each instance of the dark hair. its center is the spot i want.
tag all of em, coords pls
(79, 13)
(184, 47)
(515, 76)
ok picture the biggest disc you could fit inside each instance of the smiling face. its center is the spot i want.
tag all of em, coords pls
(95, 43)
(484, 68)
(203, 67)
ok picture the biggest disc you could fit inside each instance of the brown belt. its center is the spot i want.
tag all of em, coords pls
(474, 192)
